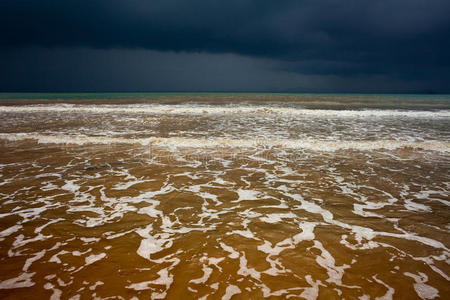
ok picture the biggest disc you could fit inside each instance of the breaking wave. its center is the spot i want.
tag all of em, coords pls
(199, 110)
(179, 142)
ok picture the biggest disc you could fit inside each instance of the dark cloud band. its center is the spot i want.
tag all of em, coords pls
(400, 38)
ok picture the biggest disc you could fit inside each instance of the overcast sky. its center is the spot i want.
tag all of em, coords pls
(233, 45)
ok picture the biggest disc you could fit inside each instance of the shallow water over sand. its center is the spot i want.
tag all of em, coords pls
(223, 202)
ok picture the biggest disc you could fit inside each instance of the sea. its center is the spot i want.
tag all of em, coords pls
(224, 196)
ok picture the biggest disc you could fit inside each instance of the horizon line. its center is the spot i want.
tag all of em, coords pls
(230, 92)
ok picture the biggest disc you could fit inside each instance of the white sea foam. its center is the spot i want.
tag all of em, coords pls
(21, 241)
(215, 262)
(93, 258)
(307, 234)
(89, 240)
(55, 257)
(95, 285)
(9, 231)
(233, 253)
(207, 271)
(56, 292)
(180, 142)
(21, 281)
(327, 261)
(221, 110)
(140, 286)
(245, 233)
(313, 291)
(40, 228)
(424, 291)
(231, 291)
(30, 260)
(277, 217)
(151, 245)
(164, 279)
(71, 186)
(389, 293)
(244, 270)
(247, 195)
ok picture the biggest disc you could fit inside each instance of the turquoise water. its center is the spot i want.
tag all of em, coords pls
(127, 95)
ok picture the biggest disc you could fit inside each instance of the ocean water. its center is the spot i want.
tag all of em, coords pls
(224, 196)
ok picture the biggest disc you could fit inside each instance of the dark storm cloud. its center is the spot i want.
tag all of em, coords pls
(85, 69)
(402, 39)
